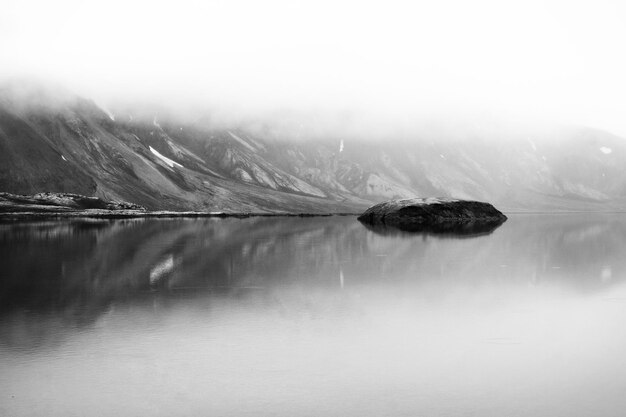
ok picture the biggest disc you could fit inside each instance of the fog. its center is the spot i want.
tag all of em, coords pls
(367, 65)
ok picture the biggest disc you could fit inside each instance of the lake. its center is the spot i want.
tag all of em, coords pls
(312, 317)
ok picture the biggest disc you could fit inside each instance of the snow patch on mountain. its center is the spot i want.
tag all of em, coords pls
(165, 159)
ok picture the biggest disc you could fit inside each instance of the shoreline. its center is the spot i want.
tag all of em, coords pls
(16, 216)
(137, 214)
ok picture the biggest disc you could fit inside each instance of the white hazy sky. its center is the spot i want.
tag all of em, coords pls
(551, 60)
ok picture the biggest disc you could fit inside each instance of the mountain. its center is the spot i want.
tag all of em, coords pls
(53, 140)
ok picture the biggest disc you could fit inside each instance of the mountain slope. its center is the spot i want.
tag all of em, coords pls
(52, 140)
(70, 145)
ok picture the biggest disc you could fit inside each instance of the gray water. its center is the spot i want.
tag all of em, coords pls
(312, 317)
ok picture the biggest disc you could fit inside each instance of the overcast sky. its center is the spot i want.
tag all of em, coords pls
(550, 60)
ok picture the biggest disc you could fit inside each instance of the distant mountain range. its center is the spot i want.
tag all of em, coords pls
(52, 140)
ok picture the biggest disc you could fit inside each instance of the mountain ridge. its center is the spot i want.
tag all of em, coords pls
(65, 143)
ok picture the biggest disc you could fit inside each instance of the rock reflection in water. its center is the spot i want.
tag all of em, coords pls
(442, 229)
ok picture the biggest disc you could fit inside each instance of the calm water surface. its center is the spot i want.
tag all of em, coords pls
(312, 317)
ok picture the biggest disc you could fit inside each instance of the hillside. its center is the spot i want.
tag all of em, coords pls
(54, 141)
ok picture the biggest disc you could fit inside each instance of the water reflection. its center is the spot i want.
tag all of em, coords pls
(316, 305)
(444, 229)
(84, 266)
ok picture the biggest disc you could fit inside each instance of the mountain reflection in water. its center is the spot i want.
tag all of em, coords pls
(72, 280)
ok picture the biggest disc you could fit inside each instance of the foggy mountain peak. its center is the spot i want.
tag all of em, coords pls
(157, 158)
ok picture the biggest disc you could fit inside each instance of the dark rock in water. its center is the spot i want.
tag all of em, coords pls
(434, 215)
(59, 202)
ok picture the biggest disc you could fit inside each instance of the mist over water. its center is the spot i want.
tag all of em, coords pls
(316, 316)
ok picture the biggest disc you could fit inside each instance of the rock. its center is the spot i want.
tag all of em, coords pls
(435, 215)
(60, 202)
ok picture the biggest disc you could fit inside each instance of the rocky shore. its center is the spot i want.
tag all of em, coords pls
(44, 206)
